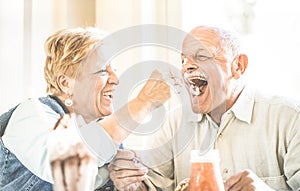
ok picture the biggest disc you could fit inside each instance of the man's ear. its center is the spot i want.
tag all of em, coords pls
(239, 66)
(65, 83)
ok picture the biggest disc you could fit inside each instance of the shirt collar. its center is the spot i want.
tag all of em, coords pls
(243, 107)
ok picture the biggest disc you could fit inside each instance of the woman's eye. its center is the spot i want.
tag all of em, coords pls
(102, 72)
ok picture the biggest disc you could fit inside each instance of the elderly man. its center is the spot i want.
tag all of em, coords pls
(258, 137)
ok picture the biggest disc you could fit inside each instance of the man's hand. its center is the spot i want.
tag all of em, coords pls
(127, 172)
(246, 181)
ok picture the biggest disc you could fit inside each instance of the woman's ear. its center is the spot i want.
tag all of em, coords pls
(65, 83)
(239, 66)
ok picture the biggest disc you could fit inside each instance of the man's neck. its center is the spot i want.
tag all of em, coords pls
(218, 112)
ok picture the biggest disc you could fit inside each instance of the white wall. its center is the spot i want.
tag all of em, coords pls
(272, 40)
(25, 25)
(11, 52)
(270, 33)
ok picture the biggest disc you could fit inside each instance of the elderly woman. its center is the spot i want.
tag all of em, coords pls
(78, 81)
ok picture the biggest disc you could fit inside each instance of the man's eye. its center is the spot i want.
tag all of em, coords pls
(202, 57)
(191, 69)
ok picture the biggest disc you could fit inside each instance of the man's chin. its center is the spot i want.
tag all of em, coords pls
(197, 109)
(200, 106)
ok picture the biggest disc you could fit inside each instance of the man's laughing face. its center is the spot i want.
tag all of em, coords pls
(203, 75)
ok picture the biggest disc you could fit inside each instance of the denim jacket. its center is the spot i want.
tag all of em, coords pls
(13, 174)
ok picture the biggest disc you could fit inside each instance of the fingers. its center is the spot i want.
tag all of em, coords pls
(123, 159)
(245, 181)
(122, 173)
(71, 171)
(126, 159)
(249, 187)
(121, 168)
(156, 75)
(58, 177)
(125, 154)
(120, 164)
(128, 182)
(65, 174)
(74, 173)
(156, 90)
(126, 171)
(229, 184)
(126, 178)
(73, 165)
(87, 172)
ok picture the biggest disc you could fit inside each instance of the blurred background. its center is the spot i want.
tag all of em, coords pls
(269, 28)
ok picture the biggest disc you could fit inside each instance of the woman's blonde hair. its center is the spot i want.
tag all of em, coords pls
(65, 50)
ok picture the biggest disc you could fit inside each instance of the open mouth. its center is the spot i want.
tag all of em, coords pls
(108, 94)
(197, 81)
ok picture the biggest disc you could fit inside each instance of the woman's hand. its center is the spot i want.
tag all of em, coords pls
(73, 166)
(156, 91)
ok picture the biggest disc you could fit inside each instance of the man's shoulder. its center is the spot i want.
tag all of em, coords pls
(280, 102)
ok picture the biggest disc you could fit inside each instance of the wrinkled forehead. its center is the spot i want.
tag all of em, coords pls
(200, 39)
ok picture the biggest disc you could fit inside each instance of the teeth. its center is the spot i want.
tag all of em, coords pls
(107, 93)
(195, 76)
(199, 76)
(196, 80)
(195, 90)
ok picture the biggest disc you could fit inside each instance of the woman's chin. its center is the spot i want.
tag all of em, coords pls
(104, 111)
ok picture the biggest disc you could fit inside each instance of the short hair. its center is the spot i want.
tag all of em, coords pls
(65, 50)
(229, 41)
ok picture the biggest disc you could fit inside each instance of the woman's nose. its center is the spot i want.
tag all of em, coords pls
(113, 78)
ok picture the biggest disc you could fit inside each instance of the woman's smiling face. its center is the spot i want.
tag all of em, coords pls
(94, 86)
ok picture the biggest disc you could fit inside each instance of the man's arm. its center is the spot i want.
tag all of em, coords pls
(292, 157)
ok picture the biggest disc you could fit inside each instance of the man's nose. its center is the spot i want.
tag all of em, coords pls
(188, 64)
